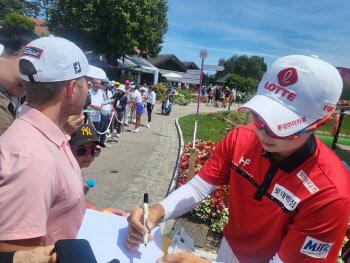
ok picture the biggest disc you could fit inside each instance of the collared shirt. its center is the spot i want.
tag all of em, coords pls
(7, 111)
(298, 207)
(41, 193)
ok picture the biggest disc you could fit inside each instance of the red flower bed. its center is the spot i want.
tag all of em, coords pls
(215, 206)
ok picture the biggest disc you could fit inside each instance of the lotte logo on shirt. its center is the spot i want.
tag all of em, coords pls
(287, 77)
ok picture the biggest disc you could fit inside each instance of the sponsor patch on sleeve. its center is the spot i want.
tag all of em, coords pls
(33, 52)
(315, 248)
(289, 200)
(307, 182)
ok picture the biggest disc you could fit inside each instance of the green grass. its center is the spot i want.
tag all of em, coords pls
(216, 129)
(207, 129)
(328, 140)
(345, 127)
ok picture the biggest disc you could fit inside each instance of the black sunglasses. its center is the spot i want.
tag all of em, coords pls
(82, 151)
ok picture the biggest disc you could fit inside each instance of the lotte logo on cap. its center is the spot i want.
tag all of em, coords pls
(287, 77)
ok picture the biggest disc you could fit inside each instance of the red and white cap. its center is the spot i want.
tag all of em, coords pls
(57, 59)
(295, 92)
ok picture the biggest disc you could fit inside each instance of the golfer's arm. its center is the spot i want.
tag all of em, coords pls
(186, 197)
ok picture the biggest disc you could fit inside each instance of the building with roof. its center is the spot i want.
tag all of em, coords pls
(190, 65)
(40, 28)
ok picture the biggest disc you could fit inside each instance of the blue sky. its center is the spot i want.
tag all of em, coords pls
(271, 29)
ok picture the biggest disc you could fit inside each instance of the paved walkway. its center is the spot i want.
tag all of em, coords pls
(139, 162)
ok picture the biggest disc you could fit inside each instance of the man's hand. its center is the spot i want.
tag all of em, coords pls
(115, 211)
(182, 257)
(36, 255)
(136, 229)
(73, 123)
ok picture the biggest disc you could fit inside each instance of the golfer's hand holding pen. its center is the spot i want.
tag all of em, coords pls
(138, 227)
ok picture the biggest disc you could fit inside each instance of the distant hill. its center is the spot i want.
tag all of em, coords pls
(345, 74)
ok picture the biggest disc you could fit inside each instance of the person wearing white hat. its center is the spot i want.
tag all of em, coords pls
(289, 194)
(120, 102)
(12, 42)
(41, 194)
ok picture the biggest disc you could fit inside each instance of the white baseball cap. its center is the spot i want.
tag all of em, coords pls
(57, 59)
(295, 92)
(121, 87)
(142, 89)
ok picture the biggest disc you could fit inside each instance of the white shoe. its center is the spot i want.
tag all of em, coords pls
(148, 126)
(107, 145)
(118, 135)
(109, 136)
(135, 130)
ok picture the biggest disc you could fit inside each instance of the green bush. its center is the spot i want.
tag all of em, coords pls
(160, 90)
(181, 101)
(185, 94)
(15, 19)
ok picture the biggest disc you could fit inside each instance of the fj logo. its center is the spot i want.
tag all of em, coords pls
(87, 130)
(77, 67)
(244, 161)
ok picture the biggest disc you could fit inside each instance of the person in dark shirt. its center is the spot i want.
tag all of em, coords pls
(120, 101)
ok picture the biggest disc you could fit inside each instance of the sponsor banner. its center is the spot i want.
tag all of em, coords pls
(315, 248)
(289, 200)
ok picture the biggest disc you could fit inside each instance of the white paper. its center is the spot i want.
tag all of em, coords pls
(107, 233)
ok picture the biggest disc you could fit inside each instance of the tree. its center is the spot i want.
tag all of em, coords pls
(22, 7)
(114, 27)
(15, 19)
(45, 7)
(253, 67)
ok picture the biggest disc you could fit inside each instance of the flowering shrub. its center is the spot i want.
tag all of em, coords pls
(215, 206)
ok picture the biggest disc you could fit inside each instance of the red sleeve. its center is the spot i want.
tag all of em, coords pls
(316, 233)
(217, 170)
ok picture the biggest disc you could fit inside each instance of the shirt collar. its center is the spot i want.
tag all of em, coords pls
(296, 159)
(44, 125)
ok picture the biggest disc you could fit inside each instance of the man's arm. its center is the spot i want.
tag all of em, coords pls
(110, 209)
(17, 245)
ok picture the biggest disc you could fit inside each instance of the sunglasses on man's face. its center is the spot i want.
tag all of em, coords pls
(260, 124)
(82, 151)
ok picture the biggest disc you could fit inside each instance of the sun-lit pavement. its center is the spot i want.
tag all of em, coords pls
(139, 162)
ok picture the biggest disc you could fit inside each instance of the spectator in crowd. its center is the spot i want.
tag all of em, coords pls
(217, 96)
(111, 87)
(226, 93)
(84, 144)
(150, 105)
(136, 98)
(105, 111)
(144, 96)
(204, 90)
(120, 102)
(12, 42)
(97, 100)
(289, 193)
(129, 105)
(233, 94)
(87, 105)
(42, 174)
(210, 94)
(146, 89)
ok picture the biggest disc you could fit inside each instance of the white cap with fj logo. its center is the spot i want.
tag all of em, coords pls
(57, 59)
(295, 92)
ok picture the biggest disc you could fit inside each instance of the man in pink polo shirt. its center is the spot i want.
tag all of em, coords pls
(41, 194)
